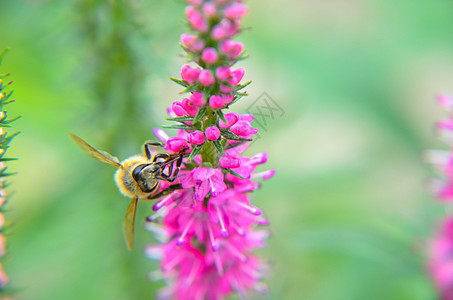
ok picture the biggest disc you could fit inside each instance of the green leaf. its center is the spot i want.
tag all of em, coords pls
(180, 119)
(8, 139)
(11, 120)
(190, 165)
(221, 116)
(242, 86)
(3, 53)
(8, 159)
(177, 126)
(180, 82)
(231, 136)
(234, 173)
(7, 174)
(231, 146)
(195, 151)
(206, 165)
(2, 102)
(200, 114)
(235, 99)
(189, 89)
(218, 146)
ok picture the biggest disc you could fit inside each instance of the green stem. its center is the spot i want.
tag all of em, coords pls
(209, 151)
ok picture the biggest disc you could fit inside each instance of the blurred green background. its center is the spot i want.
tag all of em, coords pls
(349, 208)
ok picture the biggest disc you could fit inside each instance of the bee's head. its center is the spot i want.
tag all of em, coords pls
(145, 176)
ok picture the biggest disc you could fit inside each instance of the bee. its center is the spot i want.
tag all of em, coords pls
(139, 177)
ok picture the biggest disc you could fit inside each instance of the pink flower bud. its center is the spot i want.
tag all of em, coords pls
(209, 55)
(216, 102)
(160, 134)
(259, 159)
(197, 99)
(178, 109)
(236, 10)
(445, 100)
(243, 129)
(229, 161)
(195, 2)
(190, 74)
(197, 46)
(206, 77)
(231, 118)
(265, 175)
(218, 32)
(231, 49)
(247, 117)
(223, 73)
(196, 19)
(187, 40)
(196, 138)
(174, 144)
(191, 42)
(190, 109)
(212, 133)
(228, 98)
(209, 9)
(238, 74)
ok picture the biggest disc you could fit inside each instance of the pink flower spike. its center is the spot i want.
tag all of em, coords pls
(174, 144)
(212, 133)
(216, 102)
(178, 109)
(196, 138)
(206, 78)
(265, 175)
(231, 118)
(209, 55)
(229, 161)
(160, 134)
(190, 74)
(223, 73)
(236, 10)
(204, 180)
(445, 100)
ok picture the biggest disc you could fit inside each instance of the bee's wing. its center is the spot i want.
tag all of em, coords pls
(99, 155)
(128, 223)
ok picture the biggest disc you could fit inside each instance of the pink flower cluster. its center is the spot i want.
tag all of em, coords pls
(209, 225)
(441, 247)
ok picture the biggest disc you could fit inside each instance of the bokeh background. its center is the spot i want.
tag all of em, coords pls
(349, 207)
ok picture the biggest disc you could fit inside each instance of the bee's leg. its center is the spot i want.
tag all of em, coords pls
(171, 176)
(151, 144)
(178, 166)
(160, 155)
(166, 191)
